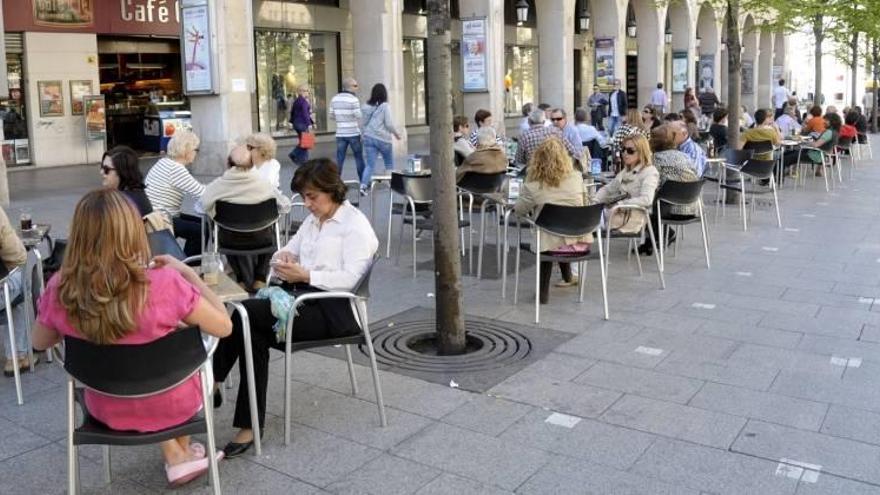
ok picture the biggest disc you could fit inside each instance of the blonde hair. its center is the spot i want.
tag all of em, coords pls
(182, 143)
(264, 145)
(635, 119)
(549, 163)
(103, 277)
(643, 150)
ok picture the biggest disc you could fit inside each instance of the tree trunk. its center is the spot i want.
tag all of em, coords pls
(875, 72)
(447, 261)
(818, 37)
(854, 68)
(734, 73)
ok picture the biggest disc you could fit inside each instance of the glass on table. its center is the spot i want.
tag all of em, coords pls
(211, 268)
(25, 219)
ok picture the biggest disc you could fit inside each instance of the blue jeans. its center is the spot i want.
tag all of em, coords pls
(372, 147)
(613, 124)
(18, 318)
(342, 144)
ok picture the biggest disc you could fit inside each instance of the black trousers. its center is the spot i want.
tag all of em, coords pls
(316, 320)
(189, 228)
(546, 272)
(249, 268)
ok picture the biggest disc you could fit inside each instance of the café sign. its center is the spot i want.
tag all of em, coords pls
(150, 11)
(121, 17)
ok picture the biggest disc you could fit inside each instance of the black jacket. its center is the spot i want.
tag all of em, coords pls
(621, 103)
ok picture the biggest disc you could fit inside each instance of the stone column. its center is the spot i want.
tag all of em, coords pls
(765, 71)
(493, 100)
(556, 52)
(224, 119)
(652, 50)
(377, 35)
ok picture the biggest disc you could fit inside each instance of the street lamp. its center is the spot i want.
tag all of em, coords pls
(522, 11)
(668, 35)
(699, 41)
(584, 18)
(631, 28)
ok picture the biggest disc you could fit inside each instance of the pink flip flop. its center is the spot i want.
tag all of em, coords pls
(183, 473)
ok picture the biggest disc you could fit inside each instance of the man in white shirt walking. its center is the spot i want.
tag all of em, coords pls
(659, 100)
(780, 96)
(345, 109)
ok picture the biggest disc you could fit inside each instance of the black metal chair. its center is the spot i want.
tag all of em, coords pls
(733, 160)
(358, 299)
(827, 157)
(247, 219)
(680, 194)
(473, 186)
(632, 237)
(136, 371)
(566, 221)
(755, 171)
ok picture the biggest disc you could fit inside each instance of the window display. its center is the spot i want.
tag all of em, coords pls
(415, 89)
(521, 70)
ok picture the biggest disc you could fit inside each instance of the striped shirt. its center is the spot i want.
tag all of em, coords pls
(167, 182)
(345, 109)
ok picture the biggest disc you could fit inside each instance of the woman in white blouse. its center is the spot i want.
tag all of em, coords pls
(332, 250)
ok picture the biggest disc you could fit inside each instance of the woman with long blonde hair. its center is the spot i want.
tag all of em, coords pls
(551, 178)
(106, 294)
(634, 125)
(635, 185)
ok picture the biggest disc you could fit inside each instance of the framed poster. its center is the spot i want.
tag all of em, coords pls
(78, 90)
(96, 123)
(707, 71)
(748, 75)
(474, 67)
(679, 71)
(51, 98)
(605, 64)
(196, 47)
(63, 14)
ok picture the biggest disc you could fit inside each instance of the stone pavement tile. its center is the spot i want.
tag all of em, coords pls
(603, 333)
(589, 440)
(718, 371)
(767, 304)
(751, 334)
(785, 359)
(557, 366)
(825, 299)
(449, 484)
(616, 352)
(870, 333)
(313, 456)
(44, 414)
(640, 382)
(809, 324)
(546, 392)
(857, 316)
(766, 406)
(680, 343)
(719, 313)
(832, 346)
(663, 320)
(242, 475)
(857, 290)
(835, 275)
(822, 387)
(563, 475)
(563, 313)
(827, 484)
(32, 385)
(489, 415)
(18, 440)
(838, 456)
(715, 471)
(480, 457)
(385, 475)
(675, 420)
(852, 423)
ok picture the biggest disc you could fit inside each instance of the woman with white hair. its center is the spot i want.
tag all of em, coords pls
(262, 148)
(167, 182)
(489, 157)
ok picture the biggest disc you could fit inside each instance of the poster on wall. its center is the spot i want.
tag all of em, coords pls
(51, 98)
(707, 72)
(96, 123)
(605, 64)
(63, 13)
(679, 71)
(195, 40)
(748, 74)
(473, 55)
(78, 90)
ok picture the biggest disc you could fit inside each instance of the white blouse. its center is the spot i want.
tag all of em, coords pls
(270, 171)
(338, 253)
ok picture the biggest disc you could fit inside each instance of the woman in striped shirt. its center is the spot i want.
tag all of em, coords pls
(168, 180)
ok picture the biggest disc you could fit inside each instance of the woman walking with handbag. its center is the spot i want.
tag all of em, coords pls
(378, 129)
(301, 119)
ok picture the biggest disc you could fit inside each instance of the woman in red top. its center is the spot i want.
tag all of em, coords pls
(104, 293)
(848, 130)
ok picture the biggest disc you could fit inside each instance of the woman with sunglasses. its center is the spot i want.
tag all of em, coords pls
(635, 185)
(649, 115)
(119, 170)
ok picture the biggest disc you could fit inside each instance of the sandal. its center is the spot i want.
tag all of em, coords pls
(181, 474)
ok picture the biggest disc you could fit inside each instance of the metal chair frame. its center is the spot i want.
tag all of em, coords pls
(632, 245)
(698, 199)
(746, 171)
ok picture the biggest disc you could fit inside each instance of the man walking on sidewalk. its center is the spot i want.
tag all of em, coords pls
(780, 96)
(345, 109)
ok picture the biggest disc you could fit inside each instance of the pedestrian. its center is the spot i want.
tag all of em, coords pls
(708, 101)
(659, 100)
(616, 107)
(597, 103)
(345, 109)
(301, 120)
(780, 96)
(690, 101)
(524, 123)
(379, 128)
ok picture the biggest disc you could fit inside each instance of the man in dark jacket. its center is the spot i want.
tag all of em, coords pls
(616, 107)
(708, 101)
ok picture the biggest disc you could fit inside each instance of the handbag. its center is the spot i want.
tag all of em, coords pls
(307, 140)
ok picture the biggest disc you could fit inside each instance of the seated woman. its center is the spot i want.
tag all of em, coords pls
(848, 129)
(814, 124)
(649, 115)
(106, 294)
(718, 129)
(489, 158)
(12, 255)
(551, 178)
(119, 170)
(262, 148)
(825, 142)
(635, 185)
(167, 182)
(332, 250)
(240, 185)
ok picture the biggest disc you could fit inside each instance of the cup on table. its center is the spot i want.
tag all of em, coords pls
(26, 219)
(211, 268)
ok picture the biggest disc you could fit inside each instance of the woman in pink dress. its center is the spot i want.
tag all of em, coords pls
(106, 294)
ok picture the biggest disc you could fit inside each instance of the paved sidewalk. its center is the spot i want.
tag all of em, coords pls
(754, 377)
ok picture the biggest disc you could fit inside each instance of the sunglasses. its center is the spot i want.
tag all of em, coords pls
(629, 151)
(557, 119)
(106, 170)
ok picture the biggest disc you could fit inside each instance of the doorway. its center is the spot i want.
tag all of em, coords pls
(578, 95)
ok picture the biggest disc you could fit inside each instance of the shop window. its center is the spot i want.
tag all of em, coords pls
(420, 7)
(414, 81)
(510, 14)
(16, 150)
(521, 65)
(286, 60)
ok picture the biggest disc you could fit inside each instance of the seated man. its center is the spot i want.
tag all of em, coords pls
(489, 158)
(537, 134)
(764, 131)
(687, 146)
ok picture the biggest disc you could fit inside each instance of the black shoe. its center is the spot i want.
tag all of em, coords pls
(233, 449)
(646, 249)
(670, 239)
(218, 399)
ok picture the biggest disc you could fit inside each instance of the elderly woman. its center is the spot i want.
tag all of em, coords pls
(240, 185)
(262, 148)
(489, 158)
(119, 170)
(635, 185)
(332, 250)
(169, 180)
(551, 178)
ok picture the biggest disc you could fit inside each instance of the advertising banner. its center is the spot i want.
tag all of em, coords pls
(473, 55)
(605, 64)
(196, 43)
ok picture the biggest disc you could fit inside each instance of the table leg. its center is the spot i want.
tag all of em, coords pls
(506, 214)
